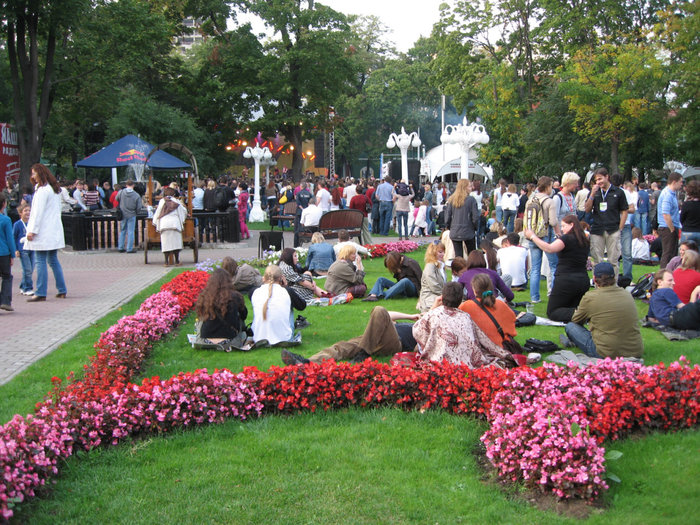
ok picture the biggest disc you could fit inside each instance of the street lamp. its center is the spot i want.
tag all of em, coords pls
(467, 136)
(257, 154)
(268, 163)
(403, 141)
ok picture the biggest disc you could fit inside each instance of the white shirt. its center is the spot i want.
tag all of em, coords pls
(311, 215)
(640, 249)
(513, 261)
(323, 197)
(478, 197)
(631, 201)
(276, 327)
(510, 201)
(358, 247)
(349, 192)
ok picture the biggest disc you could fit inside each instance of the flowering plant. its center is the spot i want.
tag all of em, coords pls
(380, 250)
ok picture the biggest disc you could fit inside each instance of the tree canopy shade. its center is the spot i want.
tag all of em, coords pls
(33, 30)
(131, 150)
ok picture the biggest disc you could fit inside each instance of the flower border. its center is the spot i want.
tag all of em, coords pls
(547, 425)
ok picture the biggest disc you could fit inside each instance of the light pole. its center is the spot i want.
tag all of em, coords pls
(403, 141)
(257, 154)
(268, 163)
(467, 136)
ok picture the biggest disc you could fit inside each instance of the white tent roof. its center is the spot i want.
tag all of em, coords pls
(446, 159)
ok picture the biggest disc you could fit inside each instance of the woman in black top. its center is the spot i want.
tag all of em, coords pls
(571, 277)
(690, 213)
(221, 309)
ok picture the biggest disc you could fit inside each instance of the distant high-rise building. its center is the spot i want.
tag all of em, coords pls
(192, 37)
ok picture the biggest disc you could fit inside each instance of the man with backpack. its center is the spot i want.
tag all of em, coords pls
(541, 218)
(223, 195)
(609, 207)
(303, 197)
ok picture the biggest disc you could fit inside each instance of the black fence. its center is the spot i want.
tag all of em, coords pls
(100, 230)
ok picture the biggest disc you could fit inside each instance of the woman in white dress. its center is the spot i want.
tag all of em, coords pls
(169, 220)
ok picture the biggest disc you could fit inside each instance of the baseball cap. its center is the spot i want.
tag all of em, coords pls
(603, 268)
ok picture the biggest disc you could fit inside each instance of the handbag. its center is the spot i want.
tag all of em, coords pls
(120, 214)
(283, 198)
(509, 344)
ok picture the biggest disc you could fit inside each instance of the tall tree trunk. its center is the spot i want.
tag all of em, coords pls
(614, 148)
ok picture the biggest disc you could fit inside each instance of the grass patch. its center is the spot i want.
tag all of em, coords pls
(351, 466)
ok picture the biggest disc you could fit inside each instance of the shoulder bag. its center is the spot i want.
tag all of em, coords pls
(509, 343)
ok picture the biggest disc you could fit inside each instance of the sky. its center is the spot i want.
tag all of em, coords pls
(408, 19)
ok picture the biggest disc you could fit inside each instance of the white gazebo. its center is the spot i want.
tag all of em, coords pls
(444, 163)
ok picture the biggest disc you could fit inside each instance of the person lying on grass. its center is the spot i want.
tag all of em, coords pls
(445, 332)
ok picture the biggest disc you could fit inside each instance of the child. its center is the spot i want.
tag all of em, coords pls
(243, 210)
(26, 257)
(7, 253)
(420, 219)
(640, 247)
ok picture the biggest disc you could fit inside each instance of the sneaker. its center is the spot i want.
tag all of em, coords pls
(533, 357)
(6, 307)
(565, 342)
(301, 322)
(370, 299)
(535, 301)
(289, 358)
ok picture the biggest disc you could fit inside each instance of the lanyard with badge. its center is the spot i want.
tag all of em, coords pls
(604, 205)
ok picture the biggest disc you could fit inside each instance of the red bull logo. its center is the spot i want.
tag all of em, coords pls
(131, 155)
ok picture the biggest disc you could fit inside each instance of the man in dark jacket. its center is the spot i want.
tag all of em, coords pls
(303, 197)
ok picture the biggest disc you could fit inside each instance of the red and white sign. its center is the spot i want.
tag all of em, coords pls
(9, 154)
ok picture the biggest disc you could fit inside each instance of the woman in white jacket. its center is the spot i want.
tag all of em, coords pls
(169, 220)
(45, 232)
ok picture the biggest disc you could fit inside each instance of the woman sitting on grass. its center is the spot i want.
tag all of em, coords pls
(687, 277)
(320, 256)
(273, 317)
(221, 310)
(245, 278)
(407, 273)
(297, 279)
(433, 278)
(485, 299)
(346, 275)
(476, 264)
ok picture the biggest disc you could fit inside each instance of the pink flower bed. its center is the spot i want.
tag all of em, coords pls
(547, 425)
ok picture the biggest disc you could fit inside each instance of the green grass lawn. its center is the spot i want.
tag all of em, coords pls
(352, 466)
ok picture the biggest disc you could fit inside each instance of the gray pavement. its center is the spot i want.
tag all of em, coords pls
(97, 282)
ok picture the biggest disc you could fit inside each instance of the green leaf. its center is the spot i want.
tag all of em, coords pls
(613, 455)
(575, 429)
(613, 477)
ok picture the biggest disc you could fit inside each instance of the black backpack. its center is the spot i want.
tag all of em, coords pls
(643, 286)
(539, 345)
(402, 189)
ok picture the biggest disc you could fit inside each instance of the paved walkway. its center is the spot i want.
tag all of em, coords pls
(98, 282)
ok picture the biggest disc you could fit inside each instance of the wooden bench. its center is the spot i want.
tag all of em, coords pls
(333, 221)
(289, 213)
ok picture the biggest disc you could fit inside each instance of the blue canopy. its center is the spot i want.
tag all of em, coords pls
(131, 150)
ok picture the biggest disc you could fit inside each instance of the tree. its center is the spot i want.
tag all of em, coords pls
(612, 88)
(308, 66)
(33, 31)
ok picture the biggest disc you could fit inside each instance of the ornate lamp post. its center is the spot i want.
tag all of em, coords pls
(257, 154)
(467, 136)
(403, 141)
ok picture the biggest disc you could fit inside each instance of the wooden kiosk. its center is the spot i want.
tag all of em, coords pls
(190, 234)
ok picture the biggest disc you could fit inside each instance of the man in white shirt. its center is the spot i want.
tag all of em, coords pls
(349, 191)
(310, 216)
(626, 233)
(79, 196)
(344, 239)
(513, 260)
(323, 197)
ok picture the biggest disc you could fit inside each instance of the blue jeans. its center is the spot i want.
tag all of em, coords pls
(499, 214)
(691, 236)
(509, 219)
(402, 219)
(27, 258)
(535, 271)
(582, 338)
(641, 221)
(385, 209)
(404, 288)
(430, 228)
(626, 249)
(42, 274)
(127, 227)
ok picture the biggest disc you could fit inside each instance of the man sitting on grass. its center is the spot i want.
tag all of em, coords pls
(612, 316)
(443, 333)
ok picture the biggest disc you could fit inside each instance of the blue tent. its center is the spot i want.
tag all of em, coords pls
(131, 150)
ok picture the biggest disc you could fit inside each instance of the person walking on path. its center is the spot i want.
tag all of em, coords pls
(45, 232)
(7, 254)
(384, 193)
(462, 218)
(669, 216)
(608, 206)
(130, 205)
(19, 232)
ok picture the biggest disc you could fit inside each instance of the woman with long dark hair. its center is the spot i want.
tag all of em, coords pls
(571, 278)
(407, 273)
(476, 264)
(45, 232)
(297, 279)
(221, 309)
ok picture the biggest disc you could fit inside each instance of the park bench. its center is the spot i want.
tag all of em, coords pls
(333, 221)
(289, 213)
